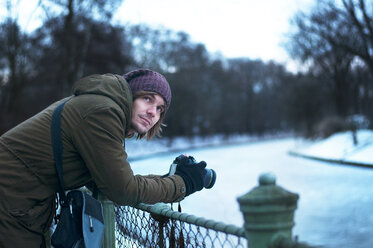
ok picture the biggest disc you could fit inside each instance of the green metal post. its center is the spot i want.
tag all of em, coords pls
(268, 211)
(109, 220)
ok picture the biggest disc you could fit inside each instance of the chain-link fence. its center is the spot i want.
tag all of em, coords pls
(159, 226)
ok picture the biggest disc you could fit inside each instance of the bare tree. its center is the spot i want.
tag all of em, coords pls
(359, 40)
(72, 61)
(316, 43)
(14, 70)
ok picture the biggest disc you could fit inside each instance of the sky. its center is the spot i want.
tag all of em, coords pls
(232, 28)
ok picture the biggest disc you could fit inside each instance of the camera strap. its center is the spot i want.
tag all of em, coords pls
(180, 241)
(178, 206)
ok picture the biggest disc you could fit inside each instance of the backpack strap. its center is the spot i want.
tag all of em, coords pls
(57, 149)
(95, 191)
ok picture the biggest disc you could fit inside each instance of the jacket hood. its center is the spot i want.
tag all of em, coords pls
(110, 85)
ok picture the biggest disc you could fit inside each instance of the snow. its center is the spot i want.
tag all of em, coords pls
(335, 202)
(341, 147)
(140, 149)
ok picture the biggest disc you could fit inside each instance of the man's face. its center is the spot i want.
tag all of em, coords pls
(146, 111)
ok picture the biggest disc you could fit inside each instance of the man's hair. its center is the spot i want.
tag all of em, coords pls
(156, 130)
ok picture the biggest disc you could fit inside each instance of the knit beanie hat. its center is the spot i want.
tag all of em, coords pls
(148, 80)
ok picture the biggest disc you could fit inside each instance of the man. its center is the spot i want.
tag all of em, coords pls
(104, 110)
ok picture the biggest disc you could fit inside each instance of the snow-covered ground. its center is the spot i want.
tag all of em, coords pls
(335, 202)
(340, 147)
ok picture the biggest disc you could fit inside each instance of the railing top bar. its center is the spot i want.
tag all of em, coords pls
(165, 210)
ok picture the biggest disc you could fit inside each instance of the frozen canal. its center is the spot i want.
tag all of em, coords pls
(335, 201)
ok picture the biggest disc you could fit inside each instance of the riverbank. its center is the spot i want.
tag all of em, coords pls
(339, 148)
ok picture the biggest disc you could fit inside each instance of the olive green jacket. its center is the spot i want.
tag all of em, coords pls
(94, 123)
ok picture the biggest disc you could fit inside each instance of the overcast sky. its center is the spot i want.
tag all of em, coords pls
(234, 28)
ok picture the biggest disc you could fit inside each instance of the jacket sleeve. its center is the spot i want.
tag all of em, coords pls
(98, 140)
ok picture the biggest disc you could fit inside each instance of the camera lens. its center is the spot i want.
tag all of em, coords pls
(209, 179)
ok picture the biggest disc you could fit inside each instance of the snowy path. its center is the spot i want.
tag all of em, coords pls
(335, 201)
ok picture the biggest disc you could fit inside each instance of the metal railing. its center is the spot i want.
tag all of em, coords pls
(268, 212)
(159, 226)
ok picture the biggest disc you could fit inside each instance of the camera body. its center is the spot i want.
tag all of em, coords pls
(209, 178)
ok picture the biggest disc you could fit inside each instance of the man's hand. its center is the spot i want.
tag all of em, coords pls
(191, 172)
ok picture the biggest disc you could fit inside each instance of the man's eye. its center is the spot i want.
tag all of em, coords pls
(160, 109)
(146, 98)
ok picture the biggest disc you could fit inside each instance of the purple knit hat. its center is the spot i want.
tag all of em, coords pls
(148, 80)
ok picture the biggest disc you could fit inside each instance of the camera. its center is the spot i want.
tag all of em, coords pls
(209, 178)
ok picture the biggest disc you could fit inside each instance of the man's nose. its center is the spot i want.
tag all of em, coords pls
(152, 110)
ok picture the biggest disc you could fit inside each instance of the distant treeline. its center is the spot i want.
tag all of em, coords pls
(210, 94)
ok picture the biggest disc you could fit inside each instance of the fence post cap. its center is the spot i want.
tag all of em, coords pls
(267, 192)
(267, 209)
(267, 179)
